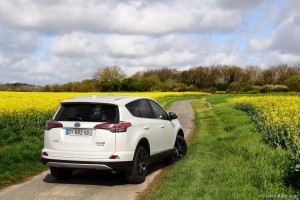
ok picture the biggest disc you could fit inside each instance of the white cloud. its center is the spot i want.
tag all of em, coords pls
(3, 60)
(129, 46)
(173, 50)
(287, 36)
(44, 68)
(284, 41)
(125, 17)
(239, 4)
(18, 42)
(57, 41)
(259, 45)
(288, 58)
(281, 46)
(76, 44)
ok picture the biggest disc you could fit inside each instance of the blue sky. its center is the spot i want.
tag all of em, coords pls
(58, 41)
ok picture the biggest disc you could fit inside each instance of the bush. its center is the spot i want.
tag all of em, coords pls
(248, 88)
(192, 88)
(273, 88)
(294, 83)
(212, 90)
(221, 92)
(252, 92)
(234, 87)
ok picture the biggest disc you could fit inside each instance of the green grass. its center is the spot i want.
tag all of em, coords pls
(21, 140)
(226, 159)
(167, 101)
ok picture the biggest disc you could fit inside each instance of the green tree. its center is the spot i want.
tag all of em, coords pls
(131, 84)
(294, 83)
(234, 87)
(46, 88)
(109, 77)
(90, 85)
(267, 76)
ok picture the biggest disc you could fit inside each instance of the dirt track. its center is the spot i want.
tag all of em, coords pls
(93, 184)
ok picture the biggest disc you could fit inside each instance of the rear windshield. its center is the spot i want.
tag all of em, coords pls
(87, 112)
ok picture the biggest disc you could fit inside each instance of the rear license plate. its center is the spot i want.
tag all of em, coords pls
(79, 132)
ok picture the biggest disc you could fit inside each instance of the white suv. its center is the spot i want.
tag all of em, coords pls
(114, 133)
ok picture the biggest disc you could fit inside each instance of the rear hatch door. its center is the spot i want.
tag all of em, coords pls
(78, 138)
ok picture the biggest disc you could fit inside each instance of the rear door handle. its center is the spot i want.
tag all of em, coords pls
(146, 127)
(162, 126)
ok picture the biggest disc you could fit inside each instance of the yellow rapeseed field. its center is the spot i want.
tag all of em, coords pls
(275, 110)
(16, 102)
(277, 116)
(21, 110)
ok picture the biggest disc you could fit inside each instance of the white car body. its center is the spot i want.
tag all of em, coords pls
(80, 144)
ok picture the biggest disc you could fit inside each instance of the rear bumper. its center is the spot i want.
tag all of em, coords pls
(123, 166)
(95, 156)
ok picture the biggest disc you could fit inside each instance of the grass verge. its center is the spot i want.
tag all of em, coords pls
(21, 140)
(226, 159)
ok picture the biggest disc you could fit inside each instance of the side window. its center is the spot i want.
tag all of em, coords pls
(144, 108)
(133, 109)
(159, 113)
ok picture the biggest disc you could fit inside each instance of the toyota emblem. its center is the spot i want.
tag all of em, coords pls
(77, 125)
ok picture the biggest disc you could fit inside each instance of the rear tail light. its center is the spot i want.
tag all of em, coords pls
(114, 128)
(52, 124)
(45, 153)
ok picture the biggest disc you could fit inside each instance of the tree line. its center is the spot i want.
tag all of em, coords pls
(214, 78)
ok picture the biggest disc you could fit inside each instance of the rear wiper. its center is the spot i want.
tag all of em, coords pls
(75, 118)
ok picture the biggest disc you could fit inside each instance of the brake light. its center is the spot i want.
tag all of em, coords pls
(112, 127)
(52, 124)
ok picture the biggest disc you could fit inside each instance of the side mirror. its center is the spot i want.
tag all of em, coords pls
(172, 115)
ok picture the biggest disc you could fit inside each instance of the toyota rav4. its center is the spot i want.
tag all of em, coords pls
(111, 133)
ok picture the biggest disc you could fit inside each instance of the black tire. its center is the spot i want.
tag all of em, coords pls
(180, 150)
(139, 170)
(61, 173)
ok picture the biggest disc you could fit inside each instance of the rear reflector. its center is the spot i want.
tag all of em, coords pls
(112, 127)
(52, 124)
(45, 154)
(114, 157)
